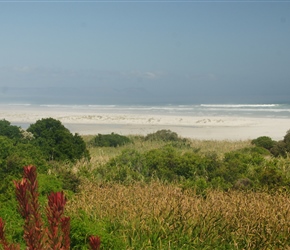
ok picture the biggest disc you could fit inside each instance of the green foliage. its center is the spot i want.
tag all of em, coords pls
(264, 142)
(271, 177)
(109, 140)
(166, 163)
(56, 141)
(84, 225)
(69, 179)
(48, 184)
(163, 135)
(241, 169)
(162, 163)
(237, 166)
(10, 131)
(171, 161)
(287, 141)
(12, 158)
(6, 147)
(26, 154)
(14, 222)
(127, 167)
(279, 149)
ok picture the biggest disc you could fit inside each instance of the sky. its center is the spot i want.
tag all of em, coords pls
(144, 52)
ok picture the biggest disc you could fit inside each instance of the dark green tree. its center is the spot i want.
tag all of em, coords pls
(56, 141)
(10, 131)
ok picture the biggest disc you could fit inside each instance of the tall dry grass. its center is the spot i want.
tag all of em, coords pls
(162, 216)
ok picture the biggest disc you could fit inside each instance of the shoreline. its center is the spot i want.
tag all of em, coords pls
(88, 122)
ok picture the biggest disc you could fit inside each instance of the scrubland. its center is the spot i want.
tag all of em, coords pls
(163, 215)
(158, 191)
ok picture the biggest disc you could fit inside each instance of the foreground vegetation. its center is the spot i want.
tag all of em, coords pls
(158, 191)
(163, 216)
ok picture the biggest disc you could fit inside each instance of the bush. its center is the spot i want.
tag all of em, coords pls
(56, 141)
(83, 225)
(162, 135)
(279, 149)
(237, 164)
(272, 177)
(264, 142)
(127, 167)
(109, 140)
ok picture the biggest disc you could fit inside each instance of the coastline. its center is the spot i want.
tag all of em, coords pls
(202, 127)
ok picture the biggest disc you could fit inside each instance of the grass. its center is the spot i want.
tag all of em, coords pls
(158, 215)
(176, 213)
(104, 154)
(163, 216)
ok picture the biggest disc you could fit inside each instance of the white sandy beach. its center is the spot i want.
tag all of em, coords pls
(198, 127)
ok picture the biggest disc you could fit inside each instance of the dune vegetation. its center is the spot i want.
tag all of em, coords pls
(158, 191)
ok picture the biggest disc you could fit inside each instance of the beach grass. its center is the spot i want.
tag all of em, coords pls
(101, 155)
(163, 216)
(156, 212)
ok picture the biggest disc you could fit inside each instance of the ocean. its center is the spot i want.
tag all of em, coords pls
(243, 110)
(196, 121)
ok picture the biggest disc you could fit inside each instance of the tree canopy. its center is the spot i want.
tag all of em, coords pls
(56, 141)
(10, 131)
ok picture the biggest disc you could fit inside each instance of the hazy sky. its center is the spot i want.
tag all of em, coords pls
(158, 52)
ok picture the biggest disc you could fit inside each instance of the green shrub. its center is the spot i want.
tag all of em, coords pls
(163, 135)
(84, 225)
(109, 140)
(48, 184)
(164, 163)
(15, 155)
(237, 164)
(271, 177)
(279, 149)
(129, 166)
(264, 142)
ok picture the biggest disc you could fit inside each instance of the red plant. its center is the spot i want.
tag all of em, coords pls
(29, 208)
(65, 227)
(56, 235)
(94, 242)
(54, 212)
